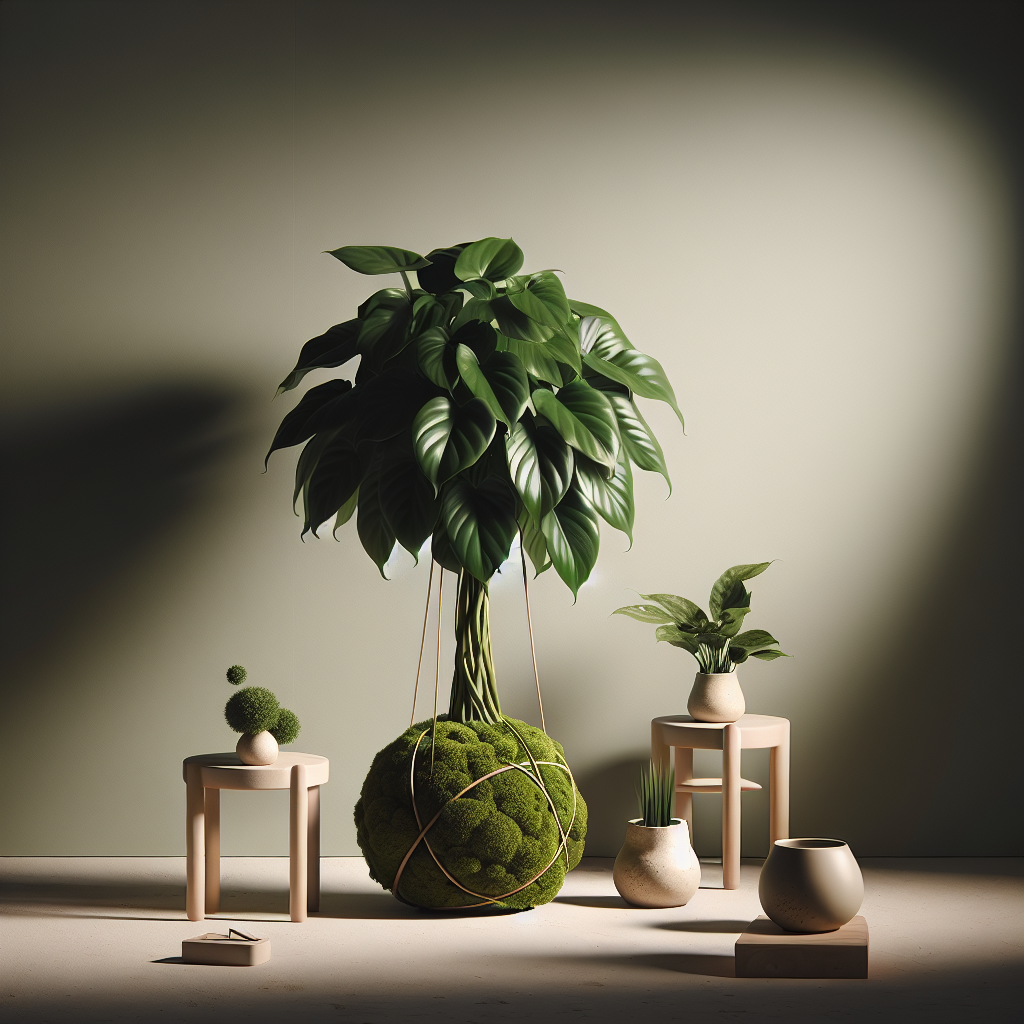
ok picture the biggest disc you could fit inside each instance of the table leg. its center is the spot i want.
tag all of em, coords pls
(212, 808)
(313, 852)
(298, 839)
(731, 807)
(684, 801)
(195, 843)
(778, 780)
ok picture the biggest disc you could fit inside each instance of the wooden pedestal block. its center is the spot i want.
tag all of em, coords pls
(764, 950)
(225, 951)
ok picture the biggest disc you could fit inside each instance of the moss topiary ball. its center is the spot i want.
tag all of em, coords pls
(286, 728)
(253, 709)
(236, 675)
(498, 836)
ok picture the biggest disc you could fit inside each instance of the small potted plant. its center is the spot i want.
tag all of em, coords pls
(656, 866)
(255, 712)
(714, 640)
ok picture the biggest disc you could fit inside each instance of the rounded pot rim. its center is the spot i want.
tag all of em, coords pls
(811, 844)
(638, 823)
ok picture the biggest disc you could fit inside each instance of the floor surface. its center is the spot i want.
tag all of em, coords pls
(98, 939)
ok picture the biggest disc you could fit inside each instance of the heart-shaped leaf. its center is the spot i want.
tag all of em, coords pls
(475, 309)
(480, 523)
(677, 638)
(540, 464)
(332, 482)
(378, 259)
(769, 655)
(388, 403)
(514, 323)
(645, 613)
(477, 335)
(332, 348)
(345, 512)
(437, 357)
(536, 357)
(585, 419)
(532, 305)
(440, 275)
(448, 439)
(499, 382)
(494, 259)
(582, 309)
(683, 612)
(732, 619)
(754, 640)
(332, 401)
(602, 337)
(407, 500)
(612, 497)
(641, 373)
(441, 549)
(637, 438)
(729, 592)
(532, 539)
(375, 533)
(573, 538)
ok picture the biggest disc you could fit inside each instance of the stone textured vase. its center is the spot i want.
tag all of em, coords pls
(810, 885)
(657, 867)
(257, 749)
(716, 697)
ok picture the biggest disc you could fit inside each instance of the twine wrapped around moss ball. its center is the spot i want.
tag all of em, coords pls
(286, 728)
(253, 709)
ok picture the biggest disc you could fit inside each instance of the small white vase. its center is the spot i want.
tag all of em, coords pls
(810, 885)
(716, 697)
(657, 867)
(257, 749)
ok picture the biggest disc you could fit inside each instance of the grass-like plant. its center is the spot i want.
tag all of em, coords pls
(714, 640)
(254, 709)
(656, 795)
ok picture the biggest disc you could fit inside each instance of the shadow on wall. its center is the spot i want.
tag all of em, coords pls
(93, 484)
(610, 792)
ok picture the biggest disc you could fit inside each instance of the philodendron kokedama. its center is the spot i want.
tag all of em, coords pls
(485, 405)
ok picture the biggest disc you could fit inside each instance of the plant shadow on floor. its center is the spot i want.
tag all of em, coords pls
(599, 902)
(709, 927)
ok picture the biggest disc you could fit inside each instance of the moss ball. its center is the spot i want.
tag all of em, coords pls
(286, 728)
(498, 837)
(236, 675)
(253, 709)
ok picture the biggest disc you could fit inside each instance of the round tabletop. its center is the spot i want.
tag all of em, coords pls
(755, 731)
(226, 770)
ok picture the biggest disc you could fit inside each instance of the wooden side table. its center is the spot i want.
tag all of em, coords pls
(684, 735)
(205, 776)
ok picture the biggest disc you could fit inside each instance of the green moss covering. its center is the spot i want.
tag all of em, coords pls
(495, 838)
(286, 728)
(253, 709)
(236, 675)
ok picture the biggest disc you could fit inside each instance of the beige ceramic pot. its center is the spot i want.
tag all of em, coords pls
(657, 867)
(257, 750)
(716, 697)
(810, 885)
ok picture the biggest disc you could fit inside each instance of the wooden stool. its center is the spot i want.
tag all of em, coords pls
(205, 776)
(684, 735)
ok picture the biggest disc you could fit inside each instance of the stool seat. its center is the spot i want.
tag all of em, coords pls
(712, 786)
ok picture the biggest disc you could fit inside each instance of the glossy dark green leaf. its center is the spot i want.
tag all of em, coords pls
(683, 612)
(439, 276)
(732, 619)
(676, 637)
(477, 335)
(754, 640)
(480, 523)
(540, 464)
(499, 382)
(408, 500)
(336, 396)
(611, 496)
(447, 439)
(345, 512)
(528, 302)
(332, 348)
(637, 437)
(585, 420)
(769, 655)
(375, 533)
(514, 323)
(602, 337)
(536, 358)
(441, 549)
(641, 373)
(475, 309)
(427, 312)
(388, 403)
(437, 357)
(331, 483)
(729, 592)
(480, 289)
(378, 259)
(532, 539)
(573, 538)
(386, 330)
(494, 259)
(645, 613)
(582, 309)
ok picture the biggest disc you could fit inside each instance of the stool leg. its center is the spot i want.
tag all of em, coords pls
(778, 779)
(212, 806)
(313, 852)
(195, 843)
(731, 807)
(298, 806)
(684, 801)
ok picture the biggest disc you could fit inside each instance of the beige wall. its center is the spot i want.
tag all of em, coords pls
(811, 234)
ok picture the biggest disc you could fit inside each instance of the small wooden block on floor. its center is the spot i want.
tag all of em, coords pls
(225, 950)
(764, 950)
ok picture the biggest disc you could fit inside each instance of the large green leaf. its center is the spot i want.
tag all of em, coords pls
(612, 497)
(585, 419)
(641, 373)
(375, 533)
(331, 401)
(769, 655)
(683, 612)
(331, 483)
(602, 337)
(729, 592)
(387, 404)
(478, 335)
(677, 638)
(532, 539)
(448, 439)
(645, 613)
(542, 298)
(407, 500)
(536, 357)
(378, 259)
(439, 276)
(345, 512)
(732, 619)
(437, 357)
(573, 538)
(754, 640)
(514, 323)
(582, 309)
(494, 259)
(480, 523)
(475, 309)
(637, 438)
(540, 464)
(499, 382)
(441, 548)
(332, 348)
(385, 331)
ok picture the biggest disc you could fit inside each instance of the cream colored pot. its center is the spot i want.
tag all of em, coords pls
(716, 697)
(810, 885)
(657, 867)
(256, 750)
